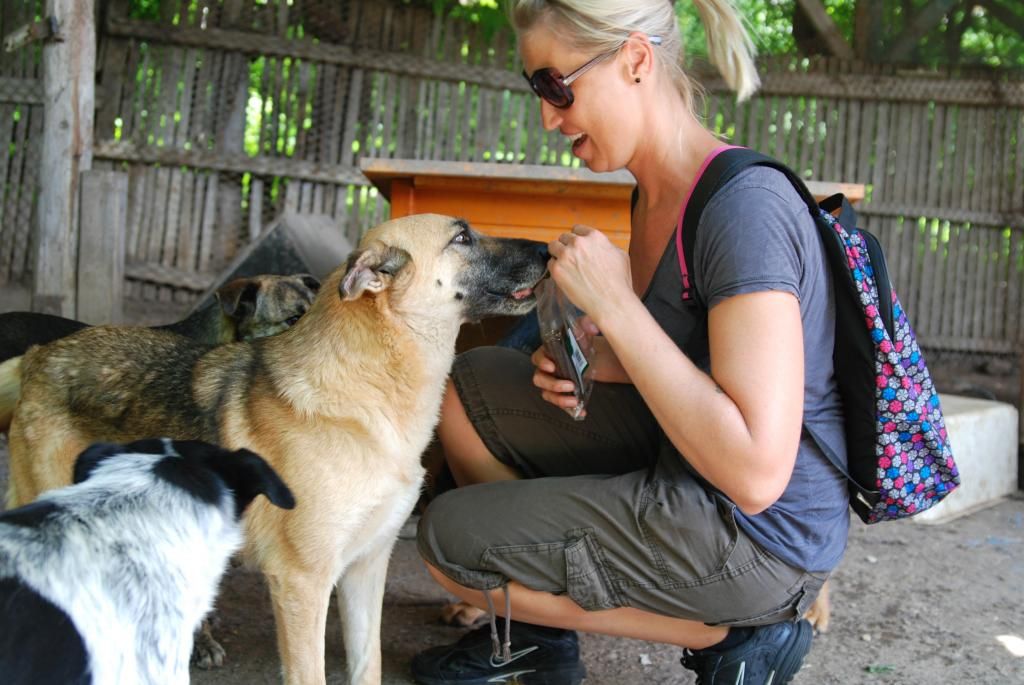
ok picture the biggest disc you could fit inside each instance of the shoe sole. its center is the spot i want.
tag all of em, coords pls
(570, 675)
(789, 660)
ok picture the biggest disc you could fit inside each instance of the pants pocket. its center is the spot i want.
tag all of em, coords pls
(690, 533)
(586, 576)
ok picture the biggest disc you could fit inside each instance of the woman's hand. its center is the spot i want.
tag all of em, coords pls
(557, 391)
(591, 271)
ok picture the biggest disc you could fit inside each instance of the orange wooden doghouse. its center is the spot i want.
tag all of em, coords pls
(522, 201)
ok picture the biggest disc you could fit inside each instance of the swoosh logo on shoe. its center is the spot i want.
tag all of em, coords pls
(511, 677)
(512, 657)
(741, 675)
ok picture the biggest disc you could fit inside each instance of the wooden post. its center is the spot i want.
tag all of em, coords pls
(103, 224)
(1020, 417)
(69, 67)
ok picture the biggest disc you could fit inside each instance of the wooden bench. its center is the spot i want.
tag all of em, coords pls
(523, 200)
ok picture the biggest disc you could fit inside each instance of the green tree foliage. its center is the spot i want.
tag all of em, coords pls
(974, 32)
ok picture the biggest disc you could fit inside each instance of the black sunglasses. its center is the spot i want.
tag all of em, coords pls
(550, 85)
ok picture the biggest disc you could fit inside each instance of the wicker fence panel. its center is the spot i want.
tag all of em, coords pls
(943, 161)
(21, 120)
(228, 113)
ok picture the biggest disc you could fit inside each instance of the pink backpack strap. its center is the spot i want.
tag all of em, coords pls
(682, 213)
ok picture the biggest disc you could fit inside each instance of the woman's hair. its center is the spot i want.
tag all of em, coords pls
(601, 25)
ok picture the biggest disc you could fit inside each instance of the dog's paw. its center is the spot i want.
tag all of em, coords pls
(207, 653)
(462, 614)
(820, 612)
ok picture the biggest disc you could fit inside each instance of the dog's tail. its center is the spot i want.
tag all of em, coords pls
(10, 390)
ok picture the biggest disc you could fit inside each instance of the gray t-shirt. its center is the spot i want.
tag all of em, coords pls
(756, 234)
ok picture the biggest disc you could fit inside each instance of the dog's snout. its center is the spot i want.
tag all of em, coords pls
(542, 250)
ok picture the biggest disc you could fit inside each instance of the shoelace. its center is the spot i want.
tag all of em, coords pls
(501, 653)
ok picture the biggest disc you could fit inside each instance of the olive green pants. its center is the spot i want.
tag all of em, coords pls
(606, 512)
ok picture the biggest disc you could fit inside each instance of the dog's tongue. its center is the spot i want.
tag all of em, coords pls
(520, 294)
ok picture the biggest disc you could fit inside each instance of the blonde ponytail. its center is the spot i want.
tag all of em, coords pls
(729, 46)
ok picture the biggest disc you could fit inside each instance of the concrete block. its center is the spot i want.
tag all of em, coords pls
(983, 437)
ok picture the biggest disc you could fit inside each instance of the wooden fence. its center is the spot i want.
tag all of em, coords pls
(227, 113)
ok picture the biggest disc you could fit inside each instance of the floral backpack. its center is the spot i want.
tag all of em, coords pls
(899, 461)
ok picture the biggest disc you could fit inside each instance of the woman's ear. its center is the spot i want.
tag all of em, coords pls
(639, 56)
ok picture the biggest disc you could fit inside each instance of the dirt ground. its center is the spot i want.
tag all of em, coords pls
(913, 604)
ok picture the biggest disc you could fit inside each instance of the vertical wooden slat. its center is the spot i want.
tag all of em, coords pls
(995, 287)
(961, 189)
(868, 119)
(926, 283)
(101, 246)
(206, 237)
(949, 175)
(8, 220)
(823, 134)
(936, 158)
(1014, 301)
(849, 169)
(901, 148)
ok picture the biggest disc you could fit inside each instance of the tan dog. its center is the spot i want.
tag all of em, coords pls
(341, 406)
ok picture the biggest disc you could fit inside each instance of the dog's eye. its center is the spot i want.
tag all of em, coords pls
(462, 238)
(292, 320)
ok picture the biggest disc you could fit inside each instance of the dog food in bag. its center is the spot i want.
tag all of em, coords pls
(565, 341)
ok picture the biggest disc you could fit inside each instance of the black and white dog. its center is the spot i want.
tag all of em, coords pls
(104, 581)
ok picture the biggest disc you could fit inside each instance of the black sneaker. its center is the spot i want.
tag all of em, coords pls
(771, 656)
(539, 656)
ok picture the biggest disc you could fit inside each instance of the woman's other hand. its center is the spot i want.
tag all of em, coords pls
(558, 391)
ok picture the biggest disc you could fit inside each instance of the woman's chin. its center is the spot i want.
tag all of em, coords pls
(596, 165)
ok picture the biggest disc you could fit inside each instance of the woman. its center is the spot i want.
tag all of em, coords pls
(689, 507)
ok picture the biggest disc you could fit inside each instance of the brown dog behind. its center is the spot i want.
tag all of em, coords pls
(341, 405)
(242, 309)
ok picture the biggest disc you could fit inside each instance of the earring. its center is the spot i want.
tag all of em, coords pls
(638, 79)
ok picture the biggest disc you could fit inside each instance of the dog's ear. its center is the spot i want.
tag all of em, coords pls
(310, 281)
(238, 298)
(249, 475)
(192, 465)
(93, 456)
(372, 270)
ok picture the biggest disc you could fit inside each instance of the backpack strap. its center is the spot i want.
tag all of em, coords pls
(838, 206)
(719, 171)
(724, 167)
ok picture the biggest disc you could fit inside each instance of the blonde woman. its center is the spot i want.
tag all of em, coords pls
(689, 507)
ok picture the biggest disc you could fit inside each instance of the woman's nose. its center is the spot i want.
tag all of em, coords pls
(550, 116)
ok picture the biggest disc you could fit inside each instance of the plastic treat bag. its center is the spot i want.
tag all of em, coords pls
(565, 341)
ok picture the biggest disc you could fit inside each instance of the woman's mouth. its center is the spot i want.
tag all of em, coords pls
(576, 139)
